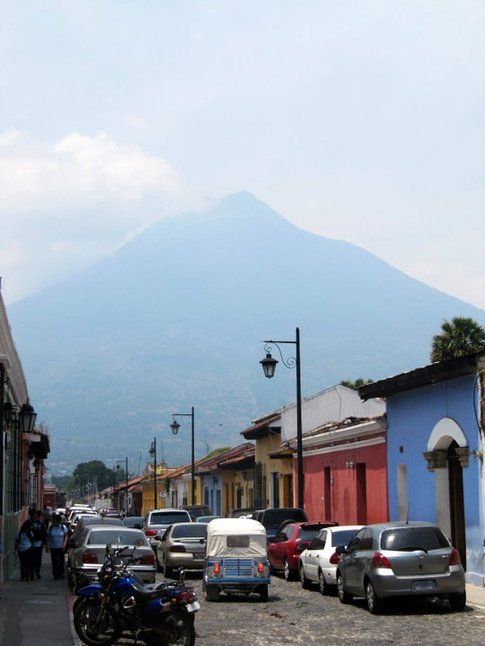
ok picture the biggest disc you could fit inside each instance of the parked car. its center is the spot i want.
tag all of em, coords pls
(400, 559)
(236, 559)
(157, 521)
(206, 519)
(245, 512)
(133, 521)
(197, 510)
(111, 513)
(87, 556)
(318, 563)
(284, 552)
(182, 545)
(85, 520)
(273, 518)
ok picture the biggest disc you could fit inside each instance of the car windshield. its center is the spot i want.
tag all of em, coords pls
(342, 537)
(192, 530)
(274, 517)
(116, 537)
(168, 518)
(404, 539)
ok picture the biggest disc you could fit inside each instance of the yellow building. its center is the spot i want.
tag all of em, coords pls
(148, 488)
(273, 468)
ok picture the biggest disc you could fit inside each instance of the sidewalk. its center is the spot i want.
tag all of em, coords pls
(35, 613)
(475, 596)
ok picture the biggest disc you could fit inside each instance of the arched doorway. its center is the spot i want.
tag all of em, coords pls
(457, 502)
(447, 455)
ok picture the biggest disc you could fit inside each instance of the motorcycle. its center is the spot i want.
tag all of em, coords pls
(162, 613)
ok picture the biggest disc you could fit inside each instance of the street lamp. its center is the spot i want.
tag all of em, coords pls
(269, 366)
(175, 428)
(153, 453)
(27, 418)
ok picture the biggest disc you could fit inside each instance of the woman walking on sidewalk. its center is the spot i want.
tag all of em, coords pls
(56, 542)
(23, 546)
(38, 530)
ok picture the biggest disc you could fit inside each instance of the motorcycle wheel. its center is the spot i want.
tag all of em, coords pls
(95, 624)
(180, 629)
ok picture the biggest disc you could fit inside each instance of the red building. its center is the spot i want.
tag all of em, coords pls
(345, 471)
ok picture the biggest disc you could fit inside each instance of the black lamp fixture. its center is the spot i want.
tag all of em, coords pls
(175, 427)
(269, 365)
(27, 418)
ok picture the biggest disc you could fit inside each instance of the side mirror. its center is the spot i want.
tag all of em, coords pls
(341, 549)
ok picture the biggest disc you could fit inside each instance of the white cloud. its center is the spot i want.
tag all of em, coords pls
(66, 204)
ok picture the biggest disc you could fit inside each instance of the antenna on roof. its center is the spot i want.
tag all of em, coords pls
(407, 514)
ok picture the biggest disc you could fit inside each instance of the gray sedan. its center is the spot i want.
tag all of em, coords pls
(400, 559)
(183, 546)
(87, 556)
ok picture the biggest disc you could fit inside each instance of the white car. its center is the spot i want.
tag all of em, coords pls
(318, 563)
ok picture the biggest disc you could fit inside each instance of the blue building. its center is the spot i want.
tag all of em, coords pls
(435, 451)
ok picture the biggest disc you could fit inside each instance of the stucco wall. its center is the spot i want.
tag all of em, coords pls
(343, 484)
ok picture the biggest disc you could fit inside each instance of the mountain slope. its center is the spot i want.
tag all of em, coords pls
(176, 316)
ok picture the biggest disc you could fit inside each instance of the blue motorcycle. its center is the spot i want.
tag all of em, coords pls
(162, 613)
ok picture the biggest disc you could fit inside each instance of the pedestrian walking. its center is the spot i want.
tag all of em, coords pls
(56, 543)
(40, 536)
(23, 546)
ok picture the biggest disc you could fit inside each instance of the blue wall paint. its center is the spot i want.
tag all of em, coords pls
(213, 488)
(412, 416)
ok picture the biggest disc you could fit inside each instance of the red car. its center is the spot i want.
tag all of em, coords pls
(289, 543)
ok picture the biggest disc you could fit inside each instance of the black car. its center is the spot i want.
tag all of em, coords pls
(135, 522)
(275, 517)
(197, 510)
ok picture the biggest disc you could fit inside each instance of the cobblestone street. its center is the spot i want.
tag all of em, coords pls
(296, 616)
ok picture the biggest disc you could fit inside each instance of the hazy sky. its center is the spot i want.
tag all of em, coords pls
(356, 120)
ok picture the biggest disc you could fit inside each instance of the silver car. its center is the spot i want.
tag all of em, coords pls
(183, 545)
(412, 559)
(87, 556)
(157, 521)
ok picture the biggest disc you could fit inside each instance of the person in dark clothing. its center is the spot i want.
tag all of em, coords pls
(40, 535)
(56, 543)
(23, 546)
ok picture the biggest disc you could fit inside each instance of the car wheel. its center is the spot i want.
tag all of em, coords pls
(288, 572)
(168, 571)
(263, 593)
(305, 583)
(458, 601)
(374, 604)
(322, 584)
(343, 595)
(211, 593)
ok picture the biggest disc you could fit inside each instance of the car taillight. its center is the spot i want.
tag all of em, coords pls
(149, 559)
(150, 532)
(89, 557)
(260, 568)
(217, 569)
(454, 557)
(378, 560)
(187, 596)
(177, 548)
(335, 558)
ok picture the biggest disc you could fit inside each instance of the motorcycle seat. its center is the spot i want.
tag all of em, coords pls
(148, 590)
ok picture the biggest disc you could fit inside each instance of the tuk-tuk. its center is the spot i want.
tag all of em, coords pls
(236, 558)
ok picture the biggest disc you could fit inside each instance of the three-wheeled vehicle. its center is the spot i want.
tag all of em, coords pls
(236, 559)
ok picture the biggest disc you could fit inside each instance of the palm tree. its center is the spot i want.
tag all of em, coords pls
(459, 337)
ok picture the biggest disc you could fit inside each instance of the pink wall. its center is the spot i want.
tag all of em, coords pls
(344, 486)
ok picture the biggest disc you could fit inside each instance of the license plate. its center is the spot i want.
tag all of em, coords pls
(193, 607)
(423, 586)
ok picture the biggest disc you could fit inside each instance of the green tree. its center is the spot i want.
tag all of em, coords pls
(95, 472)
(459, 337)
(357, 383)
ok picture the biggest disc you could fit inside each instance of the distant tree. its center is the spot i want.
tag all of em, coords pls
(459, 337)
(95, 472)
(357, 383)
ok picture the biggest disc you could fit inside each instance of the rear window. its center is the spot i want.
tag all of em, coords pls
(194, 530)
(342, 537)
(237, 541)
(274, 517)
(407, 539)
(116, 537)
(169, 517)
(308, 534)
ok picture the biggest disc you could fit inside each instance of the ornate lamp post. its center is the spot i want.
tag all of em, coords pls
(153, 452)
(175, 428)
(269, 366)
